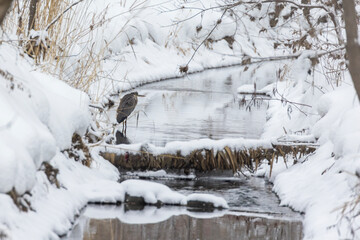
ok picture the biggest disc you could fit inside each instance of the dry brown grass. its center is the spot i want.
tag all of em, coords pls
(79, 151)
(69, 32)
(204, 160)
(20, 201)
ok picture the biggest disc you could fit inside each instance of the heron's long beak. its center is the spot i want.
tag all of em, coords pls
(141, 95)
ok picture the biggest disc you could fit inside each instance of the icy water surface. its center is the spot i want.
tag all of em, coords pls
(204, 105)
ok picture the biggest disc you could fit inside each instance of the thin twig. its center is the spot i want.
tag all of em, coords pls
(294, 56)
(203, 41)
(60, 15)
(96, 106)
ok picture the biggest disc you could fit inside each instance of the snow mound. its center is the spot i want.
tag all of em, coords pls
(160, 174)
(39, 115)
(218, 202)
(154, 192)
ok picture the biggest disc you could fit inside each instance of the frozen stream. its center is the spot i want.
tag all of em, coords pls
(203, 105)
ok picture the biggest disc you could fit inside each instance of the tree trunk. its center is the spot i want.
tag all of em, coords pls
(32, 12)
(352, 45)
(4, 6)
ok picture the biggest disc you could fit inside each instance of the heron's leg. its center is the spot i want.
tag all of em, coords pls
(125, 126)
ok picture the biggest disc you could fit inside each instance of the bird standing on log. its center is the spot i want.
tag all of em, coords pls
(126, 106)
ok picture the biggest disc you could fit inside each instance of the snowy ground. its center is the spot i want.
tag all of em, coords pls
(40, 115)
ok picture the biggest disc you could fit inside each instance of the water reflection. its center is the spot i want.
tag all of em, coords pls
(178, 223)
(198, 106)
(120, 138)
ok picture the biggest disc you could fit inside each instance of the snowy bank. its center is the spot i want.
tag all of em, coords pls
(40, 115)
(323, 183)
(41, 190)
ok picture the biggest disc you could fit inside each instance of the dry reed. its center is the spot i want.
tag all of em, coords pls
(74, 28)
(204, 160)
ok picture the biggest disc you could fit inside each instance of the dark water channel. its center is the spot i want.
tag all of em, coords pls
(204, 105)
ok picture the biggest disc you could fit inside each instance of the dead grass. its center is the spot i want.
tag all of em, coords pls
(51, 173)
(204, 160)
(20, 201)
(79, 151)
(69, 32)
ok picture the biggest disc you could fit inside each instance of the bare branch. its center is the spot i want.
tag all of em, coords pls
(60, 15)
(203, 41)
(314, 54)
(276, 1)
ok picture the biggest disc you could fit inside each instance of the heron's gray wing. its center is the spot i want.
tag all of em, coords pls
(126, 106)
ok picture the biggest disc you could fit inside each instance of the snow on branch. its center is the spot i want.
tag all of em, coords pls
(330, 12)
(276, 1)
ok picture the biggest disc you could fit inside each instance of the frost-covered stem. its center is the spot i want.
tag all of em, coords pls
(352, 46)
(59, 16)
(4, 6)
(294, 56)
(32, 12)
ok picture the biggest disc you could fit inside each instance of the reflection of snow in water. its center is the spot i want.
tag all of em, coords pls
(149, 214)
(115, 222)
(199, 106)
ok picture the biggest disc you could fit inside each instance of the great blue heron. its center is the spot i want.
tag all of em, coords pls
(126, 106)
